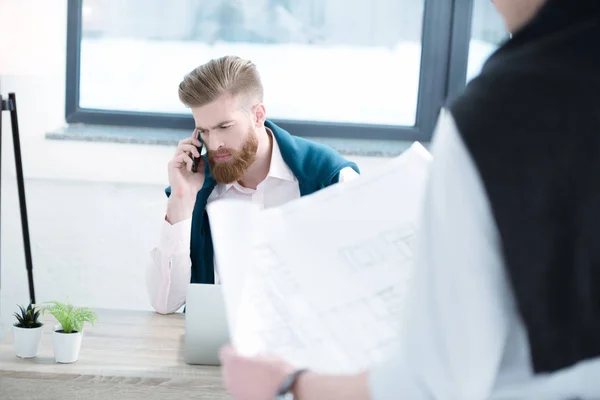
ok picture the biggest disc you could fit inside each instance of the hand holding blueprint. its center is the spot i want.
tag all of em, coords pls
(321, 281)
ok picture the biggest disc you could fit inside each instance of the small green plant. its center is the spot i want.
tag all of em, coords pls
(69, 317)
(28, 318)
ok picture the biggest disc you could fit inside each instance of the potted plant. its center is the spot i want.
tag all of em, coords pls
(27, 332)
(67, 335)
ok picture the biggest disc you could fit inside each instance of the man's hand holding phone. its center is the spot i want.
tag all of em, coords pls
(185, 183)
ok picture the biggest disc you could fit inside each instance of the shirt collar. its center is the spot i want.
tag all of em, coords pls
(279, 169)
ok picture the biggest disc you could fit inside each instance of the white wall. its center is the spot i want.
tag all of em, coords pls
(95, 209)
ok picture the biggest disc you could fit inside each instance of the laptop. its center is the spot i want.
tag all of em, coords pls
(206, 328)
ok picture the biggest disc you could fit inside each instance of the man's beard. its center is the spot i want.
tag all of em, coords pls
(234, 169)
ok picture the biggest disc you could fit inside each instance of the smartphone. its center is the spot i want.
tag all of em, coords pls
(202, 151)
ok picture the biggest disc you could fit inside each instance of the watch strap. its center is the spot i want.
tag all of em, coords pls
(288, 383)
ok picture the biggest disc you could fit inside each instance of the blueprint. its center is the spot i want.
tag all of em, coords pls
(322, 281)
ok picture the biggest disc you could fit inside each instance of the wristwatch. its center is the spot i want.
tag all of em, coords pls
(285, 390)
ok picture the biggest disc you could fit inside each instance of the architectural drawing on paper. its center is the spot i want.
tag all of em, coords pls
(367, 327)
(392, 245)
(387, 306)
(387, 302)
(281, 338)
(285, 281)
(400, 241)
(361, 256)
(271, 266)
(267, 258)
(266, 304)
(310, 330)
(364, 328)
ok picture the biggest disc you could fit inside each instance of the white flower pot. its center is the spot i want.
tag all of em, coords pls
(27, 341)
(66, 345)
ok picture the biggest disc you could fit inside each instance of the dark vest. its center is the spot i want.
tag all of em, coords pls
(314, 165)
(531, 122)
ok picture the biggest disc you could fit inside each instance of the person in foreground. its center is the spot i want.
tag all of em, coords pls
(505, 301)
(248, 158)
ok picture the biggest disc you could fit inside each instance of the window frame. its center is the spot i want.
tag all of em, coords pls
(442, 74)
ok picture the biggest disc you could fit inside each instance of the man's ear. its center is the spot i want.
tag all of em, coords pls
(260, 115)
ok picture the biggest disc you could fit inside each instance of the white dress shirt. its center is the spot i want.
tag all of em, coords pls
(169, 272)
(464, 338)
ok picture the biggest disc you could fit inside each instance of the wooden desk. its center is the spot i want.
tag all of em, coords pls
(127, 355)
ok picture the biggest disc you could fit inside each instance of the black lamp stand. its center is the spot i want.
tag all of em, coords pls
(10, 105)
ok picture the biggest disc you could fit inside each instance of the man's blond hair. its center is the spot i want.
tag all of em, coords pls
(226, 75)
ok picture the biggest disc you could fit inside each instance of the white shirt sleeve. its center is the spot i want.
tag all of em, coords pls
(169, 271)
(347, 174)
(460, 304)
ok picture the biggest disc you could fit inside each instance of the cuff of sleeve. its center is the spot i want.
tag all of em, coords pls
(175, 239)
(347, 174)
(392, 380)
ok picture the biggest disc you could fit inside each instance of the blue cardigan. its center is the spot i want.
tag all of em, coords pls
(315, 165)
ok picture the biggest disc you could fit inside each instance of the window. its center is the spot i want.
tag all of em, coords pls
(488, 32)
(369, 69)
(314, 63)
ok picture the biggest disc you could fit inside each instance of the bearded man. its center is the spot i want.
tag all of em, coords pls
(247, 157)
